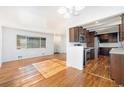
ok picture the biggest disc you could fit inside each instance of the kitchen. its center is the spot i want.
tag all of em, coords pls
(97, 39)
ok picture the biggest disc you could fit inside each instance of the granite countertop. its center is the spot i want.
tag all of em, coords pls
(117, 51)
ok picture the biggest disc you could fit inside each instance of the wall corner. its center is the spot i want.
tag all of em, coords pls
(0, 46)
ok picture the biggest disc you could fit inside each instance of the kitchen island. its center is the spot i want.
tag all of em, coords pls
(75, 57)
(117, 65)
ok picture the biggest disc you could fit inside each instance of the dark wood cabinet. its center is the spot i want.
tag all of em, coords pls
(117, 68)
(74, 34)
(92, 53)
(121, 28)
(108, 37)
(122, 69)
(79, 34)
(113, 37)
(121, 33)
(90, 39)
(104, 38)
(104, 51)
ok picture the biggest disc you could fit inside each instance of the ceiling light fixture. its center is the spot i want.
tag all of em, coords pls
(96, 22)
(68, 11)
(62, 10)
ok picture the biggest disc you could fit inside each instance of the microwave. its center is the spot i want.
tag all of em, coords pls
(82, 39)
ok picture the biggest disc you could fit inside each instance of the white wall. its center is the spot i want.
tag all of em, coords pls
(60, 43)
(0, 46)
(63, 44)
(10, 52)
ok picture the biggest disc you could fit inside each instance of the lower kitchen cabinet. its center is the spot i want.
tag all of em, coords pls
(92, 53)
(117, 68)
(104, 51)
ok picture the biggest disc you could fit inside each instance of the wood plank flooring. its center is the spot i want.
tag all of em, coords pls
(50, 67)
(99, 67)
(23, 74)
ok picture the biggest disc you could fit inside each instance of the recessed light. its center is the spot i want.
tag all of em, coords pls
(96, 22)
(62, 10)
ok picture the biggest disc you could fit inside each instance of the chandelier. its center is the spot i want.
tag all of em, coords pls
(68, 11)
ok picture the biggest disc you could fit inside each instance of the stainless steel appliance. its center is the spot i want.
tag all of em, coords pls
(82, 38)
(87, 55)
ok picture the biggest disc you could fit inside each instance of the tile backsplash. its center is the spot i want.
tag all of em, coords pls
(109, 45)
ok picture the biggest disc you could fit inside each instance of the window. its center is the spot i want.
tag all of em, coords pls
(43, 42)
(33, 42)
(21, 42)
(30, 42)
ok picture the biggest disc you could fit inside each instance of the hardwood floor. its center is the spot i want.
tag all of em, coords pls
(22, 73)
(50, 67)
(99, 67)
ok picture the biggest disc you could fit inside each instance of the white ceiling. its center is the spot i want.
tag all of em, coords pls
(35, 17)
(46, 18)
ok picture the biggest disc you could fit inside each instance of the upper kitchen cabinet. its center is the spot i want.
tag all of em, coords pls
(108, 38)
(90, 39)
(79, 34)
(74, 34)
(121, 28)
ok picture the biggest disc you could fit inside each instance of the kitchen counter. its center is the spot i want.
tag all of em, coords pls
(89, 48)
(111, 45)
(117, 51)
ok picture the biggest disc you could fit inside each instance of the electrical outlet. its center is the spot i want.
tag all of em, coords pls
(19, 57)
